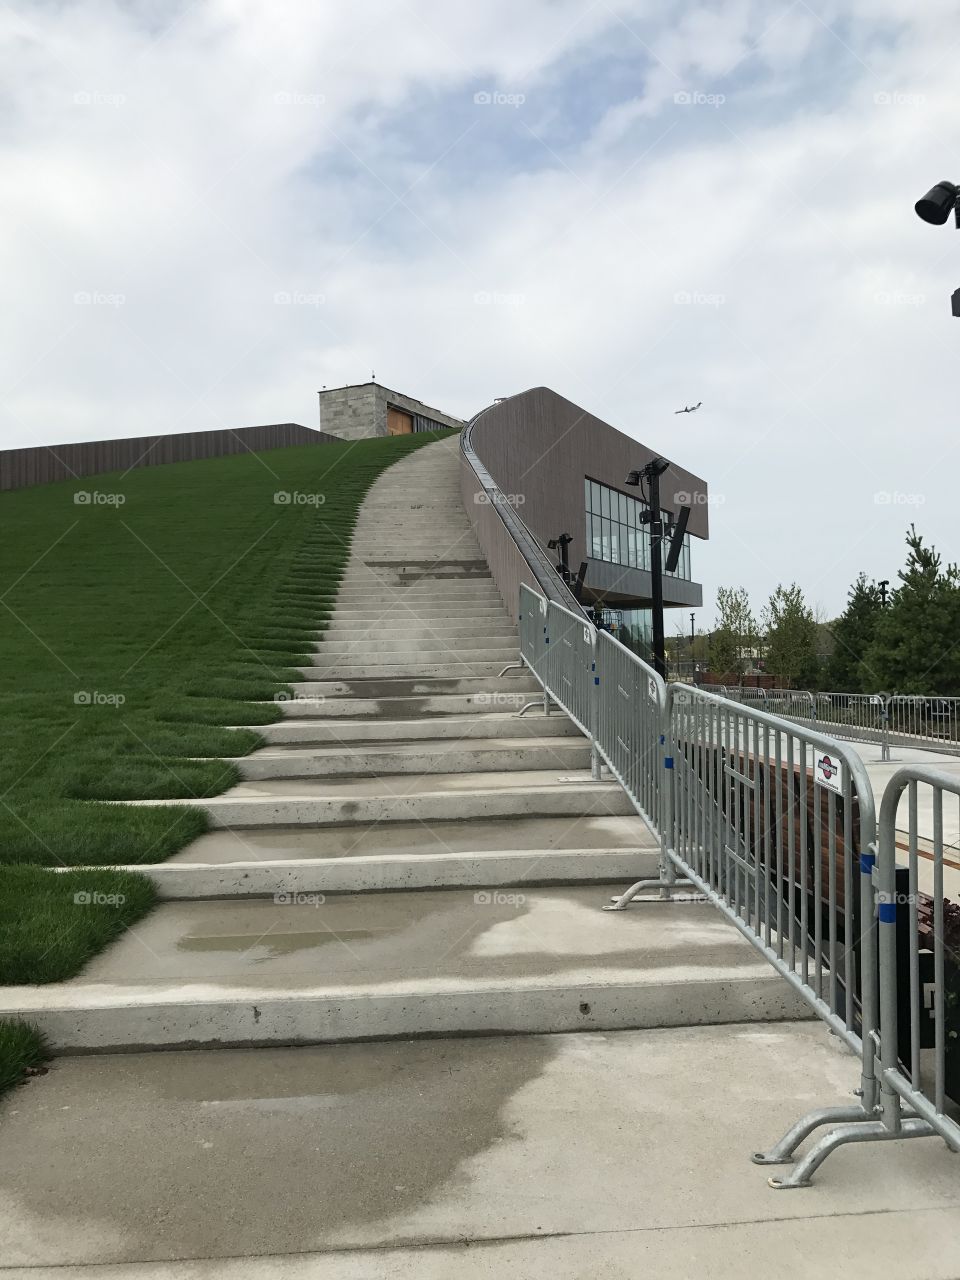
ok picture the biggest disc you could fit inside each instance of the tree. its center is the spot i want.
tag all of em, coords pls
(916, 643)
(791, 639)
(735, 635)
(853, 633)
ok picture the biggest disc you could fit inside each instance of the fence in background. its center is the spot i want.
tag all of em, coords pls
(774, 823)
(928, 722)
(46, 464)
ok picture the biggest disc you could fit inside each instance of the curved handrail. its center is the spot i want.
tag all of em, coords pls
(547, 578)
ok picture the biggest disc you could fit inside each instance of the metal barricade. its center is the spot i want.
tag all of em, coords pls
(631, 725)
(930, 722)
(769, 818)
(533, 631)
(571, 665)
(917, 1072)
(858, 717)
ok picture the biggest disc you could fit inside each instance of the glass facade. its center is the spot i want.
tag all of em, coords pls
(636, 632)
(616, 534)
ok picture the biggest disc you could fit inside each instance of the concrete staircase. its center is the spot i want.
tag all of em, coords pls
(406, 856)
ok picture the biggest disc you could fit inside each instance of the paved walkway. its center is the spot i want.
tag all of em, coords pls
(554, 1157)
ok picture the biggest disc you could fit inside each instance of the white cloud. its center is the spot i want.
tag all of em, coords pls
(199, 162)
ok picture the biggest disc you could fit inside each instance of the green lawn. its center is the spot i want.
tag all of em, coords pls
(131, 633)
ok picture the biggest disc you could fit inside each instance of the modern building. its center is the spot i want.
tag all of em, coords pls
(560, 470)
(368, 409)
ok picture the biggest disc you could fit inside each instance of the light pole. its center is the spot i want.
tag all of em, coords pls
(935, 207)
(693, 667)
(653, 516)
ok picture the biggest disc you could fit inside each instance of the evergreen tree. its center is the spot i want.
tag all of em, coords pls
(916, 644)
(791, 639)
(853, 632)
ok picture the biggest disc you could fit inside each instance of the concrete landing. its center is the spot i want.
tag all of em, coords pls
(573, 1157)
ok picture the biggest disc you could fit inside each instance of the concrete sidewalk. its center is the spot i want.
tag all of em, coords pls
(618, 1155)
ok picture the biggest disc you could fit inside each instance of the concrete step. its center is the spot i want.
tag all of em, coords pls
(404, 965)
(375, 760)
(396, 708)
(535, 793)
(410, 629)
(389, 874)
(410, 841)
(382, 686)
(464, 647)
(382, 671)
(371, 589)
(499, 724)
(423, 613)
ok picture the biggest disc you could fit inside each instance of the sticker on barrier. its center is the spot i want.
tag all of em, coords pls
(828, 771)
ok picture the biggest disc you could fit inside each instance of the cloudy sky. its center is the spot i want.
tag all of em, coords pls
(212, 209)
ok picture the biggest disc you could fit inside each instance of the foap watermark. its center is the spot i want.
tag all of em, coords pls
(499, 499)
(685, 499)
(94, 698)
(486, 298)
(97, 98)
(495, 699)
(497, 898)
(285, 498)
(898, 298)
(95, 298)
(696, 98)
(497, 98)
(294, 298)
(894, 498)
(96, 498)
(294, 898)
(897, 98)
(301, 699)
(686, 298)
(291, 98)
(96, 898)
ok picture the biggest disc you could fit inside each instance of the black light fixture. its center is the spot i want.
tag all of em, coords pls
(935, 208)
(560, 543)
(939, 202)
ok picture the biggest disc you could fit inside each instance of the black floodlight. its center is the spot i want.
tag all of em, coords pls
(633, 479)
(939, 202)
(676, 541)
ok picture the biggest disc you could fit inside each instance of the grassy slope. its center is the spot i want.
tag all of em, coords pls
(189, 600)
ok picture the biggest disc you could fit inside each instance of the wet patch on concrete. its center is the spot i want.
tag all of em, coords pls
(219, 1154)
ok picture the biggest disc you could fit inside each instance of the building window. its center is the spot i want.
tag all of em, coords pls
(615, 532)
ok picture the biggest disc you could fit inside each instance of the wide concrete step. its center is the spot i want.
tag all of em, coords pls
(411, 630)
(409, 670)
(403, 965)
(404, 798)
(319, 706)
(497, 724)
(376, 760)
(385, 873)
(465, 647)
(383, 686)
(420, 613)
(409, 841)
(371, 590)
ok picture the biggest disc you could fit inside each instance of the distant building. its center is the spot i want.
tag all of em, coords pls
(368, 409)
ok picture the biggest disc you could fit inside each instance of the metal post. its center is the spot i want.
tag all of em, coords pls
(885, 728)
(595, 762)
(656, 571)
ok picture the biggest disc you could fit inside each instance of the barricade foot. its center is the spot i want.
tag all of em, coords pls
(664, 887)
(782, 1152)
(513, 666)
(875, 1131)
